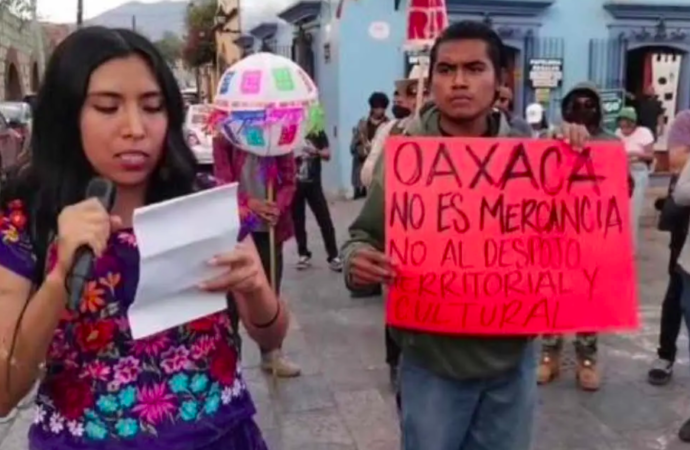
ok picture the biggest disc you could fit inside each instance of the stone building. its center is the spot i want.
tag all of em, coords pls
(227, 33)
(21, 56)
(54, 34)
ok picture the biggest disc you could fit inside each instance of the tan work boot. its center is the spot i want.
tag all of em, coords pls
(274, 362)
(588, 378)
(549, 367)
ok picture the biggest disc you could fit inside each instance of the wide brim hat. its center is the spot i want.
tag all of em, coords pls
(413, 78)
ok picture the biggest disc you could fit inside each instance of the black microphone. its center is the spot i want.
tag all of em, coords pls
(104, 191)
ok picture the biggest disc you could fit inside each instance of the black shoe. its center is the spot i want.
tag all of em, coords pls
(661, 373)
(374, 292)
(684, 432)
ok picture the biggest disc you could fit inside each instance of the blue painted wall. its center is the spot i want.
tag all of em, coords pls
(579, 31)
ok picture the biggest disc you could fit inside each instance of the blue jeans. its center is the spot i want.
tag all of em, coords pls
(483, 414)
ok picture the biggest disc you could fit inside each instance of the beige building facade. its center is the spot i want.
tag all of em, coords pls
(21, 56)
(227, 32)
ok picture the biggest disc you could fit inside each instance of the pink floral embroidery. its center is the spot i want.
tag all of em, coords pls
(155, 403)
(97, 370)
(175, 359)
(122, 324)
(203, 347)
(96, 392)
(152, 346)
(127, 370)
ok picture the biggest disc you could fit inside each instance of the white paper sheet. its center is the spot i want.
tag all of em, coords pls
(176, 239)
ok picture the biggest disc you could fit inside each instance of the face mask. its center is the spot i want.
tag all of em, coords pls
(583, 112)
(400, 112)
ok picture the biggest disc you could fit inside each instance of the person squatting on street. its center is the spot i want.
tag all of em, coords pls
(258, 215)
(582, 105)
(674, 219)
(109, 106)
(362, 137)
(457, 392)
(310, 192)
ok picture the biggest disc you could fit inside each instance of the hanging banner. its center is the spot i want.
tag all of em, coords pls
(507, 237)
(426, 19)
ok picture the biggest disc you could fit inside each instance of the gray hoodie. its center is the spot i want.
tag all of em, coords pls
(601, 134)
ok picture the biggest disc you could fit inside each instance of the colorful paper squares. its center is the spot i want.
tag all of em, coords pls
(249, 116)
(283, 79)
(251, 82)
(288, 134)
(225, 83)
(254, 136)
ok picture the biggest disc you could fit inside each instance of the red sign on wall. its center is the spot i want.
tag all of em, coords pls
(425, 21)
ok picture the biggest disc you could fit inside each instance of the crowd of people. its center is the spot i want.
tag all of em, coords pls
(451, 368)
(109, 106)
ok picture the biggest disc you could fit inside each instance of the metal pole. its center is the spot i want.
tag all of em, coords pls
(80, 13)
(134, 23)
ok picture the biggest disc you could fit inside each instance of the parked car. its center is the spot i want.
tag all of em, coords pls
(10, 145)
(197, 135)
(20, 118)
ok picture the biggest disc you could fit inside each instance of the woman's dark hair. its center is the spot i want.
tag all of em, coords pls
(378, 100)
(472, 30)
(58, 172)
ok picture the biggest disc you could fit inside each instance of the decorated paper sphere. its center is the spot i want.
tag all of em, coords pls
(268, 102)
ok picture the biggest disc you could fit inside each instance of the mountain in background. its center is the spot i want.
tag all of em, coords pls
(151, 19)
(154, 19)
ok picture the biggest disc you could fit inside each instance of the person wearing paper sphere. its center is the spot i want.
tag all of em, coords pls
(109, 106)
(243, 152)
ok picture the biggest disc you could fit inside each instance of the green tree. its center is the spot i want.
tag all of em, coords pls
(200, 43)
(170, 46)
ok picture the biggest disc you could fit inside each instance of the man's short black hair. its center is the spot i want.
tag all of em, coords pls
(378, 100)
(472, 30)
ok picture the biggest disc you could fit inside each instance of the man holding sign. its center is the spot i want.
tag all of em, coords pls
(477, 391)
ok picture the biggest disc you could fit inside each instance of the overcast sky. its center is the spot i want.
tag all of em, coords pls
(66, 10)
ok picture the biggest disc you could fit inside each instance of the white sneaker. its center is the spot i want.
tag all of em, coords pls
(335, 264)
(304, 262)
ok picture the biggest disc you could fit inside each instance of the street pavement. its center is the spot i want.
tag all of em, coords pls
(343, 402)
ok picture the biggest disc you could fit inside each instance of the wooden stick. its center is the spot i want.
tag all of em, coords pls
(423, 69)
(270, 193)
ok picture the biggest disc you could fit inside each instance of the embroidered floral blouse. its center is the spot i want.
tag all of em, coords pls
(180, 389)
